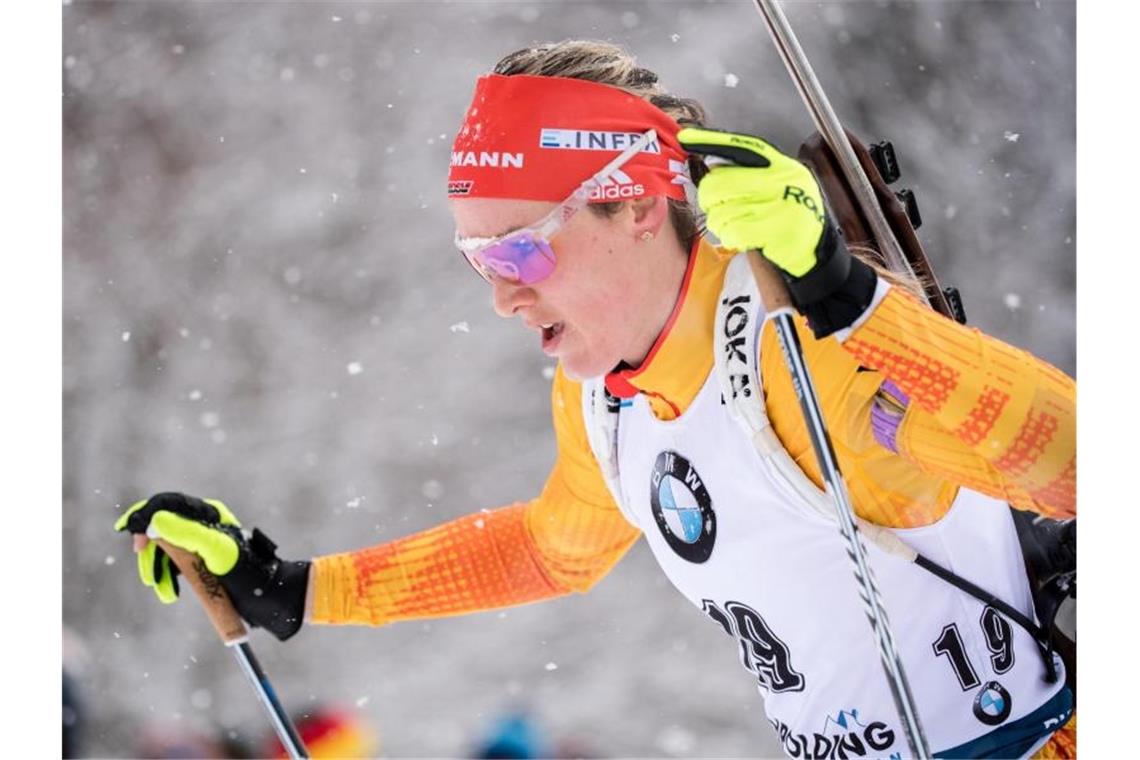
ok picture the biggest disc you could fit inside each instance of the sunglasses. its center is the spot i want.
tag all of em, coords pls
(525, 255)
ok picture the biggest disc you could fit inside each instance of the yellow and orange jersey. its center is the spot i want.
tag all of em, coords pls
(982, 414)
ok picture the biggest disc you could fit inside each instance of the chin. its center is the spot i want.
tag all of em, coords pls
(579, 368)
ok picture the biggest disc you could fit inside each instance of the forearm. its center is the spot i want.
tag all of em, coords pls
(1012, 410)
(478, 562)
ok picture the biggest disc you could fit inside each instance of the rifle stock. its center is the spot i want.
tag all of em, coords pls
(852, 217)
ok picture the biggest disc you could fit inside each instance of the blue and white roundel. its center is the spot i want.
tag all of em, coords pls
(681, 510)
(682, 507)
(993, 704)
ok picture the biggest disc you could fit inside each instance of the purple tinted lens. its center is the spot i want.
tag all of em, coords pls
(524, 258)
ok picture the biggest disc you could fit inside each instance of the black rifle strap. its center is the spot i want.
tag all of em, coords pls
(1039, 634)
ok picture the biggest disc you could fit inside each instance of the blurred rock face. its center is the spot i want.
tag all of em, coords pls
(262, 305)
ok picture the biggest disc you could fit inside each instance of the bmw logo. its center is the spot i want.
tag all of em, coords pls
(993, 703)
(682, 507)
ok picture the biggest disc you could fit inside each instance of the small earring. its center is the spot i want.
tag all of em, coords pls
(647, 236)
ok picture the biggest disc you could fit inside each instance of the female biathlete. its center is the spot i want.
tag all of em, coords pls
(676, 420)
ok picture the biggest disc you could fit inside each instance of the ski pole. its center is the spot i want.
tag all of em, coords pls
(231, 629)
(778, 304)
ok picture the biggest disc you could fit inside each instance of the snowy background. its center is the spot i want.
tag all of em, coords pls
(262, 305)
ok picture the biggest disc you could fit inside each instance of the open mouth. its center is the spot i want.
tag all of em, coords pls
(551, 334)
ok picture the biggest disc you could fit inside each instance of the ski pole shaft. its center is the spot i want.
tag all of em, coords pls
(778, 304)
(231, 629)
(829, 126)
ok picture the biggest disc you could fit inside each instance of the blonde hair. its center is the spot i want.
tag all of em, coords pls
(609, 64)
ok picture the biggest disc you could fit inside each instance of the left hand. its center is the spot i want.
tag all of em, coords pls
(265, 590)
(765, 200)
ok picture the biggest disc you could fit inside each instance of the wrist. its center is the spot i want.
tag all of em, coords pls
(837, 290)
(268, 592)
(310, 591)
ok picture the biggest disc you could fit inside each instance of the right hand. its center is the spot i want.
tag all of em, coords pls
(266, 591)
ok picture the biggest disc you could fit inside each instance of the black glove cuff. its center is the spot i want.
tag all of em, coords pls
(837, 290)
(267, 591)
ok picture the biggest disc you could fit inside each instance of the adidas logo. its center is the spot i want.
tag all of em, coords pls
(618, 186)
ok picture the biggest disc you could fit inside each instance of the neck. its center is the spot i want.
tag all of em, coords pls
(667, 260)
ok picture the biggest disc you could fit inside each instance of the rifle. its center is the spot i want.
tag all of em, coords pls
(882, 224)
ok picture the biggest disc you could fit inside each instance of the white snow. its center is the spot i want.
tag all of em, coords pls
(362, 701)
(109, 560)
(1011, 136)
(126, 335)
(1012, 301)
(354, 368)
(460, 327)
(354, 503)
(731, 80)
(551, 666)
(209, 419)
(548, 373)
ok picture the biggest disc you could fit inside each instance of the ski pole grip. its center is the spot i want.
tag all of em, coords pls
(773, 291)
(210, 592)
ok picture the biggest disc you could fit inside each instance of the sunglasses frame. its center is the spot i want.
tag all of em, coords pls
(543, 230)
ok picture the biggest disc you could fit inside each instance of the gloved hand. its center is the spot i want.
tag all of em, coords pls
(772, 203)
(265, 590)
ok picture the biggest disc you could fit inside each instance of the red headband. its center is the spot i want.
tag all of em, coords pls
(538, 138)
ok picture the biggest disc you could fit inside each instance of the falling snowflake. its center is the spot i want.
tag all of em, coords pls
(1012, 301)
(675, 740)
(126, 335)
(1011, 136)
(551, 666)
(731, 80)
(354, 368)
(460, 327)
(432, 489)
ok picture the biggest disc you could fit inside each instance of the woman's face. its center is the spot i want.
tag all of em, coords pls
(607, 298)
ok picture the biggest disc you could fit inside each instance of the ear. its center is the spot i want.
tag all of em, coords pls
(649, 214)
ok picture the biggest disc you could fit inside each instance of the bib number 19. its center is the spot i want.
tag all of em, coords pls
(999, 639)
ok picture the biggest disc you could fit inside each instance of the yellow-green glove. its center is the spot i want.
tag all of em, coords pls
(184, 521)
(772, 203)
(265, 590)
(765, 201)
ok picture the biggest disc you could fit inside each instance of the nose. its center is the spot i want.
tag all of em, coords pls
(508, 297)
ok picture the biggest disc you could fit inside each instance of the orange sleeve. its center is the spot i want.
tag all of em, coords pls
(982, 413)
(565, 540)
